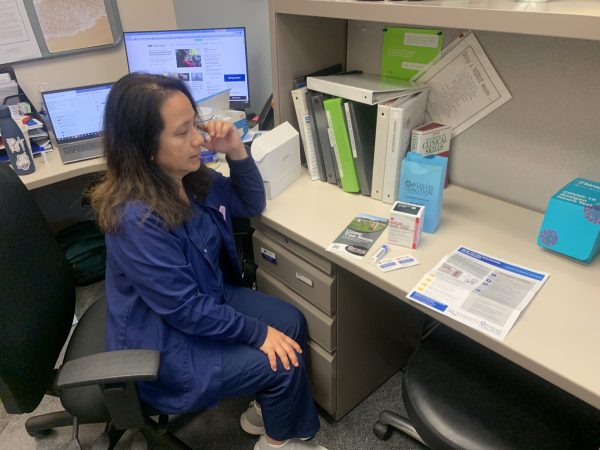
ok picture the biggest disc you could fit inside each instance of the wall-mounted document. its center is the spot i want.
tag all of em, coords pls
(17, 41)
(464, 86)
(363, 88)
(406, 51)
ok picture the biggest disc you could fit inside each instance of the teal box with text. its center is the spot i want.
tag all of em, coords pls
(571, 224)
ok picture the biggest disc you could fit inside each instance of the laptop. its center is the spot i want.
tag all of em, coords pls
(76, 116)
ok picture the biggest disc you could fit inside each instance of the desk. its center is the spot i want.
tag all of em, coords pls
(557, 336)
(54, 170)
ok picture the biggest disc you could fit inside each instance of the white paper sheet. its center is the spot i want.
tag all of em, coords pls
(478, 290)
(464, 86)
(17, 41)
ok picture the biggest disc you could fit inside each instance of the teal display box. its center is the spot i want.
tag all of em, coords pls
(572, 221)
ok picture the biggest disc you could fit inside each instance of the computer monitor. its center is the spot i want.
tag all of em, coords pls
(207, 60)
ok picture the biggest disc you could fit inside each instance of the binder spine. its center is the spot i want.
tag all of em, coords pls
(381, 135)
(299, 99)
(320, 122)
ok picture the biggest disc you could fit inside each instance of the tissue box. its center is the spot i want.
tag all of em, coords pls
(571, 224)
(406, 223)
(277, 155)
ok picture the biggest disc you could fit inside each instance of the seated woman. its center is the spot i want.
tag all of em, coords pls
(173, 281)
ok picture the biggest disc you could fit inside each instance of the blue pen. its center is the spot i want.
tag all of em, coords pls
(380, 253)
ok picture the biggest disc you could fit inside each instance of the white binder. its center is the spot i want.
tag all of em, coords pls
(383, 111)
(306, 131)
(363, 88)
(401, 121)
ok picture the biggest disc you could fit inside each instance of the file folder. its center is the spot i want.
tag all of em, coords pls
(363, 88)
(334, 111)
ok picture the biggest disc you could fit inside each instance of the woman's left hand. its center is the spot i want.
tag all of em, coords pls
(223, 137)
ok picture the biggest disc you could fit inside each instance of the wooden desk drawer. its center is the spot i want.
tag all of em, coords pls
(312, 284)
(323, 378)
(321, 328)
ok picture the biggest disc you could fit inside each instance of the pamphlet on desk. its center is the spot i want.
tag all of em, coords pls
(359, 236)
(479, 290)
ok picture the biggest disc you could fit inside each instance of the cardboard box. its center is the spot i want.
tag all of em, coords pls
(571, 224)
(277, 155)
(431, 139)
(406, 224)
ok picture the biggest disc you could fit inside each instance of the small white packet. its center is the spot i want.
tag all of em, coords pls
(397, 262)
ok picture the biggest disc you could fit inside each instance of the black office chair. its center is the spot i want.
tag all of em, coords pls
(461, 395)
(37, 299)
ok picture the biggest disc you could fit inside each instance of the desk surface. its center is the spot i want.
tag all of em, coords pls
(557, 336)
(53, 170)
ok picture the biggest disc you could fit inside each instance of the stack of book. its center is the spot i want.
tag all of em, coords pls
(356, 129)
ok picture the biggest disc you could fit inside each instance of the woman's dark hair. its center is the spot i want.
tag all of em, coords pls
(131, 135)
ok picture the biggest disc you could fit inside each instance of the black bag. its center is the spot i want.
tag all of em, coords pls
(85, 251)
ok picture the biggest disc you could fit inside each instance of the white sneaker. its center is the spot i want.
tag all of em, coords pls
(290, 444)
(252, 421)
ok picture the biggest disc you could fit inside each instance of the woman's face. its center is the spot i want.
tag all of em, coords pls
(180, 141)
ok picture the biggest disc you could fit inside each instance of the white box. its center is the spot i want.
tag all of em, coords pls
(406, 223)
(275, 187)
(431, 139)
(277, 152)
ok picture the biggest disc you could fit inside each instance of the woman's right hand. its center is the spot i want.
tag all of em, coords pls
(279, 345)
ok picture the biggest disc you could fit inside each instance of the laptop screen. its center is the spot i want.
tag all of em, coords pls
(77, 113)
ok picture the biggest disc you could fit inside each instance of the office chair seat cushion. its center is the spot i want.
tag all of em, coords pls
(458, 394)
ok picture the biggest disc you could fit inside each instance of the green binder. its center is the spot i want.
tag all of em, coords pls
(334, 109)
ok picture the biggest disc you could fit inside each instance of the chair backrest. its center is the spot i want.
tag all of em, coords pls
(37, 298)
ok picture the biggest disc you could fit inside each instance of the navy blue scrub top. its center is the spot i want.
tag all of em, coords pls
(165, 290)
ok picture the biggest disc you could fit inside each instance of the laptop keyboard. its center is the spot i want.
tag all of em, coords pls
(80, 147)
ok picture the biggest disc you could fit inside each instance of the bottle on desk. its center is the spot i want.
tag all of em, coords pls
(16, 143)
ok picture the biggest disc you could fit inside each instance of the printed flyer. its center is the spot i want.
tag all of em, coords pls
(359, 236)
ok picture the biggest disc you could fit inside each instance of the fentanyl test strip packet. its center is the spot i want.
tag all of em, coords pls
(397, 262)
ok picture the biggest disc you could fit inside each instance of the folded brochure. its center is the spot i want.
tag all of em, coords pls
(359, 236)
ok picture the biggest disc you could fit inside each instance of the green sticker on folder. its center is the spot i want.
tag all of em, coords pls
(407, 50)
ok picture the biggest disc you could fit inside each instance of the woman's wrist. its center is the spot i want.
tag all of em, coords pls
(237, 153)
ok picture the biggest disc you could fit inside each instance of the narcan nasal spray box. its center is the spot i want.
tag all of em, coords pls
(406, 223)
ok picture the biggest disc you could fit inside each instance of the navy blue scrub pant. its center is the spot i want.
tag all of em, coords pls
(285, 396)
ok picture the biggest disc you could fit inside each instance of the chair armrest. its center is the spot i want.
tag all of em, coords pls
(119, 366)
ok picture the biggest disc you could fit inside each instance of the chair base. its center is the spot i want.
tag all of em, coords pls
(388, 419)
(40, 426)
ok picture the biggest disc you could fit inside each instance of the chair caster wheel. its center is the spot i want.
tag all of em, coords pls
(382, 431)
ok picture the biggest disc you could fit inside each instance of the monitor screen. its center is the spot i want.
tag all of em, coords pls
(208, 61)
(77, 113)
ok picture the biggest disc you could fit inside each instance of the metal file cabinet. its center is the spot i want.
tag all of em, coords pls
(358, 334)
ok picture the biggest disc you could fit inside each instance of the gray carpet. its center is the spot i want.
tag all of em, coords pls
(218, 429)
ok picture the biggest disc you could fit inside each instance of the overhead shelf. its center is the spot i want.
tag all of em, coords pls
(578, 19)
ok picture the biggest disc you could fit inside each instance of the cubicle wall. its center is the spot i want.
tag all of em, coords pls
(524, 151)
(540, 140)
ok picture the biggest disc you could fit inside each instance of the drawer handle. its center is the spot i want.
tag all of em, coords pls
(305, 279)
(268, 255)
